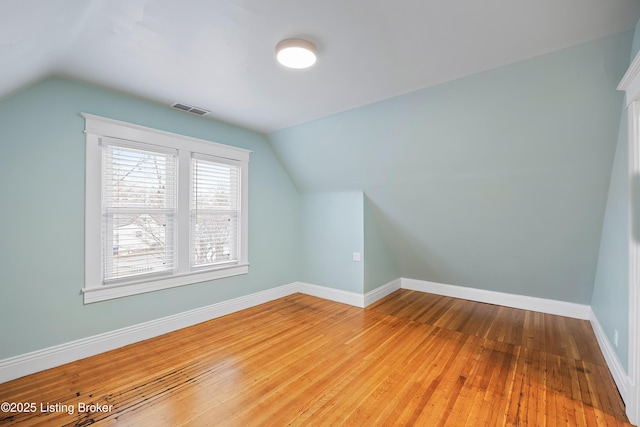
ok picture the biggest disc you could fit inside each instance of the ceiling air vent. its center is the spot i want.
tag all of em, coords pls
(190, 109)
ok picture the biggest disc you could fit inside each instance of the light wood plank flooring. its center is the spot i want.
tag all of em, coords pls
(410, 359)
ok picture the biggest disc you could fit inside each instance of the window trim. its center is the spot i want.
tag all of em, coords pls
(96, 128)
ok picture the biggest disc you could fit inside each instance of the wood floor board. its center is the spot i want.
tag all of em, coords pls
(409, 359)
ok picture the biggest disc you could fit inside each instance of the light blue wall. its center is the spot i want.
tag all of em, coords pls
(332, 230)
(495, 181)
(610, 300)
(42, 227)
(635, 47)
(380, 266)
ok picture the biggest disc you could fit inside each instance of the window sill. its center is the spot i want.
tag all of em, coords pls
(107, 292)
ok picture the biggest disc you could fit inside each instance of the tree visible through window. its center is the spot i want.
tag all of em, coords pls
(139, 205)
(162, 210)
(215, 210)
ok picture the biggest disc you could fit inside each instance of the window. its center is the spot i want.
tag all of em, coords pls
(214, 212)
(138, 210)
(162, 210)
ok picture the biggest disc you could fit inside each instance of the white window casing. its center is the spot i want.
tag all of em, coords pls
(629, 386)
(161, 210)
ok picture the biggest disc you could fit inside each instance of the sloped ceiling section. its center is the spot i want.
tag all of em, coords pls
(219, 54)
(495, 181)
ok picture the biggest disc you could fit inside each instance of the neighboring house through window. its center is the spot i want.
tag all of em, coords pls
(162, 210)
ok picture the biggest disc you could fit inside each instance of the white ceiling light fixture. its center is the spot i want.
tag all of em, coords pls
(296, 53)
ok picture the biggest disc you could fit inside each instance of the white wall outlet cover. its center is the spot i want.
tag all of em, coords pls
(356, 256)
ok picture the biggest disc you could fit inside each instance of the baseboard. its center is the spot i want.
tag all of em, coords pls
(541, 305)
(615, 367)
(337, 295)
(345, 297)
(381, 292)
(39, 360)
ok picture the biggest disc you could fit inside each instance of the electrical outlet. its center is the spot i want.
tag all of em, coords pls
(356, 256)
(615, 337)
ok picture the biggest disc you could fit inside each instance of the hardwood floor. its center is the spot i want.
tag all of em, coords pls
(410, 359)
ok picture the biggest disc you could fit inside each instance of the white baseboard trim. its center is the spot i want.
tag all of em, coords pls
(618, 372)
(39, 360)
(541, 305)
(351, 298)
(337, 295)
(381, 292)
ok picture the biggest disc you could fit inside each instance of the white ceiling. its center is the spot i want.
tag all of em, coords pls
(219, 54)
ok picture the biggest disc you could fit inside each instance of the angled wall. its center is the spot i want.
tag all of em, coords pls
(495, 181)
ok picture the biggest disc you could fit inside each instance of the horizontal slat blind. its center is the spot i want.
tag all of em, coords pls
(215, 212)
(138, 210)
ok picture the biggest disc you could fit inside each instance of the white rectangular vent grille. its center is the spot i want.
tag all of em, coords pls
(190, 109)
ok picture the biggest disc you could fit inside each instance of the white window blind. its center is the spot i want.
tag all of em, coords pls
(215, 211)
(138, 210)
(161, 210)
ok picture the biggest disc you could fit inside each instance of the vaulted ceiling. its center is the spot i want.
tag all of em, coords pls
(219, 54)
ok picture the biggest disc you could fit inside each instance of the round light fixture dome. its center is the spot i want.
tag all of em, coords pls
(296, 53)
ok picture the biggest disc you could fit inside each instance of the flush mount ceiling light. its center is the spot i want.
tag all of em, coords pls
(296, 53)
